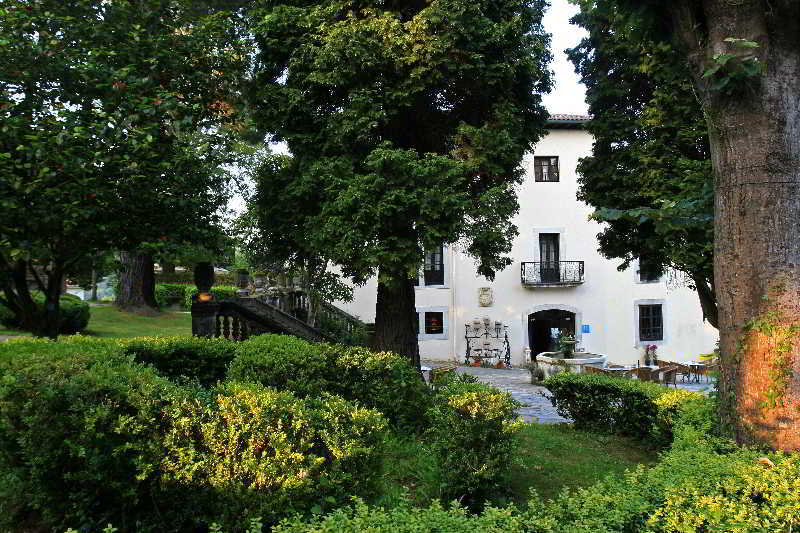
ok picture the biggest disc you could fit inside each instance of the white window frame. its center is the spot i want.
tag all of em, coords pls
(445, 266)
(664, 321)
(638, 278)
(445, 322)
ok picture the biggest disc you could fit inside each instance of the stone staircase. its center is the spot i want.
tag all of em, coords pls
(244, 316)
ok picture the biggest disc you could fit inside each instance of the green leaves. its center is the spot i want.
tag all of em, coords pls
(396, 145)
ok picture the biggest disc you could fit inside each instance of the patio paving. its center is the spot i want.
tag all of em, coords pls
(537, 408)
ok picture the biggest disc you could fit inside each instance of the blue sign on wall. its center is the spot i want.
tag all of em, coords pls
(586, 328)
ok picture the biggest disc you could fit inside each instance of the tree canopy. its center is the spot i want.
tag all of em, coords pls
(744, 61)
(649, 176)
(406, 122)
(108, 113)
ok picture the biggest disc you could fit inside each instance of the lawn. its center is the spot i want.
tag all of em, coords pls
(549, 459)
(554, 456)
(108, 321)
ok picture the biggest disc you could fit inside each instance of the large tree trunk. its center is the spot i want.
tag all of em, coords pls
(755, 143)
(137, 283)
(395, 330)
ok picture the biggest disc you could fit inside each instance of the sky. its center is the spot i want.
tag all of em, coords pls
(568, 95)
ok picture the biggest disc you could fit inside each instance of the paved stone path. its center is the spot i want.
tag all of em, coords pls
(537, 408)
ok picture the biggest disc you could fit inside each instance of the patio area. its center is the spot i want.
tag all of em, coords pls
(537, 408)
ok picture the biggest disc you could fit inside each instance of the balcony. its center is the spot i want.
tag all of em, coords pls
(552, 273)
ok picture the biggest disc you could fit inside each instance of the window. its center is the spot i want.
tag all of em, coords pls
(649, 271)
(433, 269)
(433, 272)
(432, 322)
(651, 323)
(545, 168)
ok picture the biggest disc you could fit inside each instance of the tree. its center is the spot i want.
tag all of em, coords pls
(273, 232)
(98, 105)
(744, 60)
(407, 122)
(649, 176)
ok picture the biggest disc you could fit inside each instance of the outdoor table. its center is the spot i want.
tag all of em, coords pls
(696, 367)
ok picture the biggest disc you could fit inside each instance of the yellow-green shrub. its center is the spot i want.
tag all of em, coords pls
(472, 434)
(250, 451)
(755, 496)
(623, 406)
(381, 380)
(80, 438)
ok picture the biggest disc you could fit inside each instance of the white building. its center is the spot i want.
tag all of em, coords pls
(557, 282)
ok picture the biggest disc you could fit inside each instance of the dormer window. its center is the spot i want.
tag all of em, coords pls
(545, 168)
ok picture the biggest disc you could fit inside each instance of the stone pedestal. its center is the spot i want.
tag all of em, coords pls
(204, 319)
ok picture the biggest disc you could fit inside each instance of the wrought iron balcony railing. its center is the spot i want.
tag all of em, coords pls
(552, 273)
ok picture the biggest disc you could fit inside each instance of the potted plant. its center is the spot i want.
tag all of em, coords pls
(566, 345)
(537, 374)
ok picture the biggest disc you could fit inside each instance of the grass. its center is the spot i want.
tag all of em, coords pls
(549, 459)
(108, 321)
(552, 457)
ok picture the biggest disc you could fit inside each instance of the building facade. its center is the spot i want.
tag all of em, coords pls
(557, 284)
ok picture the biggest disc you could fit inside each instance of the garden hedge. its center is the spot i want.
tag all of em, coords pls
(182, 358)
(75, 313)
(220, 292)
(610, 404)
(168, 294)
(472, 432)
(256, 452)
(80, 437)
(380, 380)
(90, 437)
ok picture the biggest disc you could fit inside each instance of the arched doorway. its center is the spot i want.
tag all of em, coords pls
(544, 328)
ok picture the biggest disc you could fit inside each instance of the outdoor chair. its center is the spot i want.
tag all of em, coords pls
(643, 373)
(668, 375)
(684, 371)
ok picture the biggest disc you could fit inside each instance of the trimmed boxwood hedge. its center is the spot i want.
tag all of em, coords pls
(168, 294)
(183, 358)
(220, 292)
(75, 313)
(609, 404)
(252, 451)
(380, 380)
(90, 437)
(472, 432)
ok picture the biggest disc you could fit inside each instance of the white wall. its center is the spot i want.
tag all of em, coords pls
(605, 301)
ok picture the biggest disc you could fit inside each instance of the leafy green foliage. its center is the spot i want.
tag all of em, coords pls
(406, 123)
(168, 294)
(74, 315)
(220, 292)
(380, 380)
(80, 433)
(110, 116)
(90, 437)
(649, 177)
(283, 362)
(406, 519)
(623, 406)
(472, 430)
(204, 361)
(255, 452)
